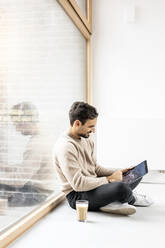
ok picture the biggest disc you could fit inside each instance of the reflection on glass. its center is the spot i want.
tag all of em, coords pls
(42, 71)
(32, 181)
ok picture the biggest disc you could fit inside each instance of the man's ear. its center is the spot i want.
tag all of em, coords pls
(77, 123)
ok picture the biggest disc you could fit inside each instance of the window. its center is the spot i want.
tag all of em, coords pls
(43, 68)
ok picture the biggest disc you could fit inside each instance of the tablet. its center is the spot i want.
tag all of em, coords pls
(135, 173)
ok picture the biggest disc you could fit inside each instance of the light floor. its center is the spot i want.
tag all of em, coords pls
(60, 228)
(12, 215)
(154, 176)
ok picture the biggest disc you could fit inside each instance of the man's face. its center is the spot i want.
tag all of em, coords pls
(85, 130)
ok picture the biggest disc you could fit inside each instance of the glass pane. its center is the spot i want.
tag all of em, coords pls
(82, 6)
(42, 71)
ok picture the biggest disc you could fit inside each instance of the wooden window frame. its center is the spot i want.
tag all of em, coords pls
(15, 230)
(84, 24)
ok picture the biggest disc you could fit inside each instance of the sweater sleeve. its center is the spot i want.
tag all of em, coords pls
(68, 162)
(101, 171)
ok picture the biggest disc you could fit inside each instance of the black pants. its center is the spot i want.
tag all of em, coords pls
(104, 194)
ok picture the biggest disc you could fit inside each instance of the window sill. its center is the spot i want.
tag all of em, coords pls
(15, 230)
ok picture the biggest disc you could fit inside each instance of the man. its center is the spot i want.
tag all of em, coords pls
(82, 178)
(32, 181)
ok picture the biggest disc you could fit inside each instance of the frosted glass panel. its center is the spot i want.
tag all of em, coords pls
(82, 6)
(42, 72)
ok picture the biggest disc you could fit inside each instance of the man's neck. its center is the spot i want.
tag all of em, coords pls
(73, 134)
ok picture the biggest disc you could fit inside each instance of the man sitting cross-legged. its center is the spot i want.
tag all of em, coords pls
(82, 178)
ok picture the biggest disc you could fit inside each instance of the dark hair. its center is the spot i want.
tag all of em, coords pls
(82, 111)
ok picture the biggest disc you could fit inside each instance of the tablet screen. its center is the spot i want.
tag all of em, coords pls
(135, 173)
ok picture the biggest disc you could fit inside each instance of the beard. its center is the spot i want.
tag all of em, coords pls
(84, 135)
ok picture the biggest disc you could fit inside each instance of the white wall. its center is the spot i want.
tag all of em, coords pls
(129, 76)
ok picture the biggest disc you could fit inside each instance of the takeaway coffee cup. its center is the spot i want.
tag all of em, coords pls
(82, 208)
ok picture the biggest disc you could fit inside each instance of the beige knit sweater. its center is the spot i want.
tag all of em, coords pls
(76, 165)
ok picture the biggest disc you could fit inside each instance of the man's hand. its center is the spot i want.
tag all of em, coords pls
(127, 169)
(117, 176)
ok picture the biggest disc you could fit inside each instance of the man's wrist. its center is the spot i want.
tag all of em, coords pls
(109, 179)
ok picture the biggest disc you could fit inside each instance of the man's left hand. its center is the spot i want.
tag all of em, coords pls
(127, 169)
